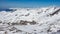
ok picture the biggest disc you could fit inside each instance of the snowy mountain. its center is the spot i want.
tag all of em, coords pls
(44, 20)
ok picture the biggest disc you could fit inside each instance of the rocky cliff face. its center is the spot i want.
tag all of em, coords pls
(30, 21)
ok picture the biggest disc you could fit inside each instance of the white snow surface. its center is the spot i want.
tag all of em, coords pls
(47, 21)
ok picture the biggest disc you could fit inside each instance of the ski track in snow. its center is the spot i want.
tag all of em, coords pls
(30, 21)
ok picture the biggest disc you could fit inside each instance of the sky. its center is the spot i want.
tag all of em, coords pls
(28, 3)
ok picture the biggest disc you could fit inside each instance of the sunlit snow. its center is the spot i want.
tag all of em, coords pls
(30, 21)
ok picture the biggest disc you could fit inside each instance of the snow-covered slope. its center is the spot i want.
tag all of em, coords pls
(31, 20)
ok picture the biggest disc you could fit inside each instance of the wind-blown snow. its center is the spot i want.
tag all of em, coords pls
(30, 21)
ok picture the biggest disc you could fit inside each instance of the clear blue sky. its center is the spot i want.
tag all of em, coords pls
(28, 3)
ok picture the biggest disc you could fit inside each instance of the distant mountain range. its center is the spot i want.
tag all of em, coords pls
(6, 9)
